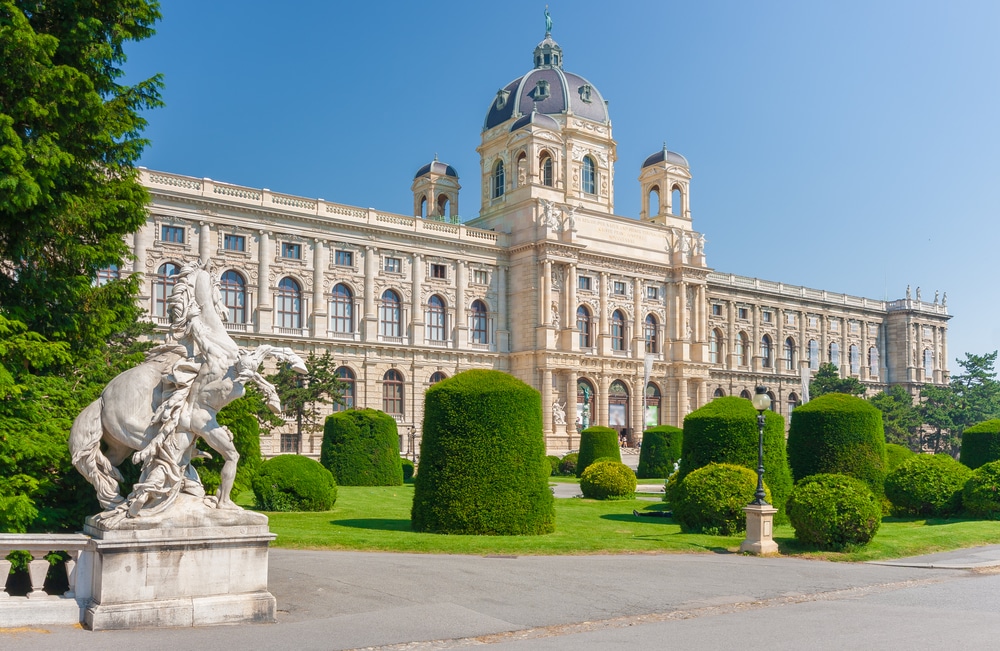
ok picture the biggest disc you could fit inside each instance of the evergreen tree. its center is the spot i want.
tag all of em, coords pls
(828, 380)
(900, 417)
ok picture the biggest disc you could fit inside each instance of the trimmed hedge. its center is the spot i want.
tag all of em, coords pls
(483, 469)
(834, 511)
(838, 434)
(554, 462)
(361, 448)
(725, 431)
(408, 470)
(661, 448)
(291, 482)
(895, 455)
(981, 444)
(981, 494)
(608, 480)
(567, 466)
(711, 499)
(597, 442)
(927, 484)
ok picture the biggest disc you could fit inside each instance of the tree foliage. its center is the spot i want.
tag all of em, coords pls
(828, 380)
(900, 417)
(305, 396)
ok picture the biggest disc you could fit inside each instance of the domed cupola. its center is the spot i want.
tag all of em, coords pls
(435, 191)
(665, 179)
(548, 54)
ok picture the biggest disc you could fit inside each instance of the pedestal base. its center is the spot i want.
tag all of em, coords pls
(760, 529)
(192, 566)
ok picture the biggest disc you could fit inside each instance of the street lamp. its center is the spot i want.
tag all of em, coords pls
(761, 402)
(760, 514)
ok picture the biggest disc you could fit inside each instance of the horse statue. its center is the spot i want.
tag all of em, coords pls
(157, 410)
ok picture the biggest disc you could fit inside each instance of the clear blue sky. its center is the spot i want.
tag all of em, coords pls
(852, 146)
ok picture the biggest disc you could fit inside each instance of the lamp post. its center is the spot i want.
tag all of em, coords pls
(760, 514)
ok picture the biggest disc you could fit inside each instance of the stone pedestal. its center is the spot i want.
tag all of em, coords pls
(760, 529)
(191, 566)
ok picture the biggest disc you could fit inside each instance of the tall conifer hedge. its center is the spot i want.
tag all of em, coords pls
(597, 443)
(981, 444)
(661, 449)
(361, 448)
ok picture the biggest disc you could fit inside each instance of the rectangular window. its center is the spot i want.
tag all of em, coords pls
(393, 265)
(234, 242)
(481, 277)
(583, 282)
(766, 316)
(790, 319)
(927, 332)
(716, 309)
(872, 329)
(172, 234)
(653, 293)
(618, 288)
(834, 326)
(743, 313)
(343, 258)
(439, 271)
(290, 443)
(813, 322)
(855, 327)
(291, 250)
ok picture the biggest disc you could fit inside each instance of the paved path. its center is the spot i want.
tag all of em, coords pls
(347, 600)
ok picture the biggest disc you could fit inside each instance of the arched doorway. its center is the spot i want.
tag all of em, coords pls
(618, 412)
(584, 404)
(652, 412)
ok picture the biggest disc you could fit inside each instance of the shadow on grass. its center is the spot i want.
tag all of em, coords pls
(377, 524)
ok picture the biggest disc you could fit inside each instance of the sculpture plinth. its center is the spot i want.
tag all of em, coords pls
(190, 566)
(760, 529)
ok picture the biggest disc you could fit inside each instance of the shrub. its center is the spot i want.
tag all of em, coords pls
(895, 455)
(568, 464)
(927, 484)
(294, 483)
(608, 480)
(834, 511)
(661, 448)
(554, 462)
(839, 434)
(981, 494)
(725, 431)
(597, 442)
(711, 499)
(408, 470)
(482, 458)
(361, 448)
(980, 444)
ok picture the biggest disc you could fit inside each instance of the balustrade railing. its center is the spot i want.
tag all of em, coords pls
(39, 546)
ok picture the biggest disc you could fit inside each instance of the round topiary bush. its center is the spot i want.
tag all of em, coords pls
(554, 462)
(408, 470)
(895, 455)
(482, 459)
(361, 448)
(981, 494)
(567, 466)
(661, 449)
(608, 480)
(725, 431)
(927, 484)
(711, 499)
(834, 511)
(981, 444)
(839, 434)
(597, 442)
(294, 483)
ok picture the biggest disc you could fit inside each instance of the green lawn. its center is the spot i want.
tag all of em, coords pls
(378, 519)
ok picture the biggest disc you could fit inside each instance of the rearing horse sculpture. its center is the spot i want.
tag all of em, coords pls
(160, 408)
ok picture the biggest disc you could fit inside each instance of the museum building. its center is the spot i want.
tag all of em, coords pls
(616, 320)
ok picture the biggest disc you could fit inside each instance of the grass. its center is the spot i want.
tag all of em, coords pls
(378, 519)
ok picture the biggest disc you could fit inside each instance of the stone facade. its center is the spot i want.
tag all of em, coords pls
(547, 283)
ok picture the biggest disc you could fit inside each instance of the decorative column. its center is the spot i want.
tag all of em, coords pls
(264, 308)
(319, 311)
(546, 286)
(416, 304)
(503, 333)
(754, 352)
(731, 326)
(370, 330)
(604, 341)
(779, 345)
(204, 241)
(461, 318)
(683, 400)
(547, 401)
(638, 321)
(570, 394)
(569, 325)
(863, 353)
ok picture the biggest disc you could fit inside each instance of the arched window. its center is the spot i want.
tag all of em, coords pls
(675, 201)
(855, 359)
(813, 355)
(390, 315)
(589, 179)
(342, 309)
(649, 334)
(583, 326)
(618, 406)
(719, 393)
(765, 351)
(346, 377)
(423, 207)
(873, 361)
(793, 402)
(742, 349)
(234, 296)
(617, 330)
(835, 354)
(442, 205)
(714, 344)
(392, 392)
(435, 318)
(928, 364)
(654, 201)
(545, 168)
(107, 274)
(289, 304)
(498, 180)
(479, 326)
(584, 404)
(522, 169)
(436, 377)
(789, 354)
(774, 401)
(652, 407)
(163, 284)
(745, 394)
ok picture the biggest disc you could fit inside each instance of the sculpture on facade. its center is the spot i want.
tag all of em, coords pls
(558, 413)
(160, 408)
